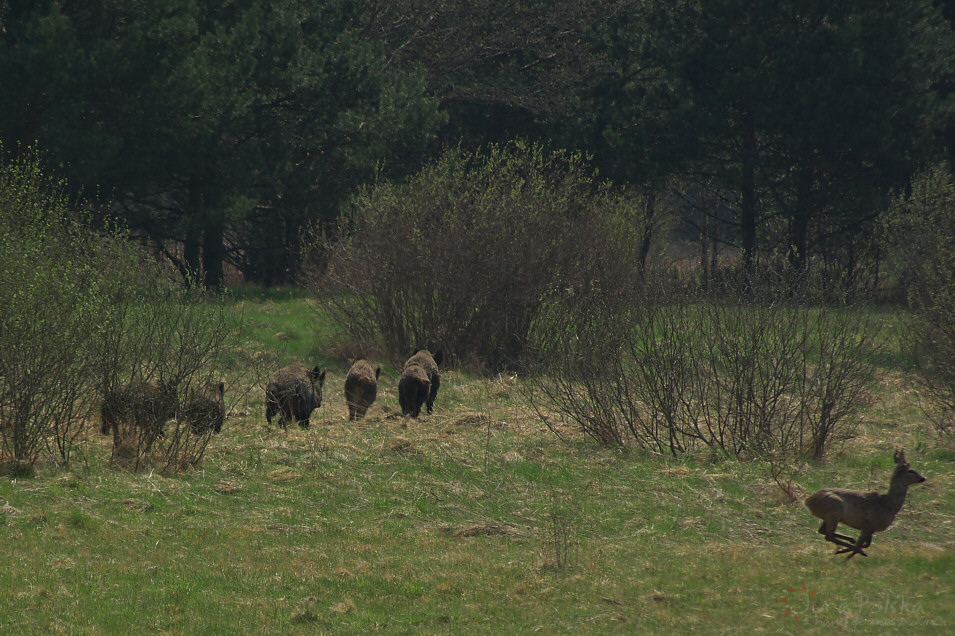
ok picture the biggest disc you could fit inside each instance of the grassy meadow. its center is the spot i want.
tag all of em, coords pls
(476, 519)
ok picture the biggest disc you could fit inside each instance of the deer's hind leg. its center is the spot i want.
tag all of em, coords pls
(834, 537)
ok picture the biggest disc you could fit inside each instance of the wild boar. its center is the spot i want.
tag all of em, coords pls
(294, 392)
(429, 364)
(361, 388)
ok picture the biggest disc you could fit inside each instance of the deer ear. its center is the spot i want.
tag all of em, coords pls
(900, 456)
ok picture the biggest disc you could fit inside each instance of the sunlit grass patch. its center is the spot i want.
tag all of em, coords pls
(474, 519)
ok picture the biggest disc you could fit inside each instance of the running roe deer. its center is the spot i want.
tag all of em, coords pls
(868, 512)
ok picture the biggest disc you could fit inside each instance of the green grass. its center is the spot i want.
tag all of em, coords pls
(284, 323)
(448, 524)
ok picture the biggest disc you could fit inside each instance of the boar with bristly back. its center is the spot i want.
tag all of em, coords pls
(206, 410)
(412, 392)
(294, 392)
(138, 407)
(361, 388)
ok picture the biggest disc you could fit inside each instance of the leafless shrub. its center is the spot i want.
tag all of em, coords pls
(918, 232)
(671, 371)
(930, 333)
(173, 338)
(463, 257)
(561, 531)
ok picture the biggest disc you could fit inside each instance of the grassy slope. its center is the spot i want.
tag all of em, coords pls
(455, 524)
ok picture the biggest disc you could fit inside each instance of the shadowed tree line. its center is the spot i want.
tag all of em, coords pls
(217, 130)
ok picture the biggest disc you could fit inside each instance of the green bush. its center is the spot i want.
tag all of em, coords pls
(464, 255)
(82, 314)
(50, 306)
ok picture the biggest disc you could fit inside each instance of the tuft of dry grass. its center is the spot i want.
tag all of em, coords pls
(485, 530)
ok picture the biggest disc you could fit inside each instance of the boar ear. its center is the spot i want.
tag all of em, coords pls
(439, 357)
(377, 372)
(321, 377)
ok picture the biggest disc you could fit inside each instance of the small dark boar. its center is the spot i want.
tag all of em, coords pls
(294, 392)
(413, 389)
(361, 388)
(206, 410)
(429, 365)
(143, 407)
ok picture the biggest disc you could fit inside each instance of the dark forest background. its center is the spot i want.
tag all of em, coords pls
(218, 130)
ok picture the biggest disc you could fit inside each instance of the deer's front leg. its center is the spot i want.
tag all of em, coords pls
(864, 541)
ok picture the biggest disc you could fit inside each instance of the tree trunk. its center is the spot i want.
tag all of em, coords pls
(646, 241)
(747, 213)
(192, 241)
(213, 253)
(799, 223)
(192, 251)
